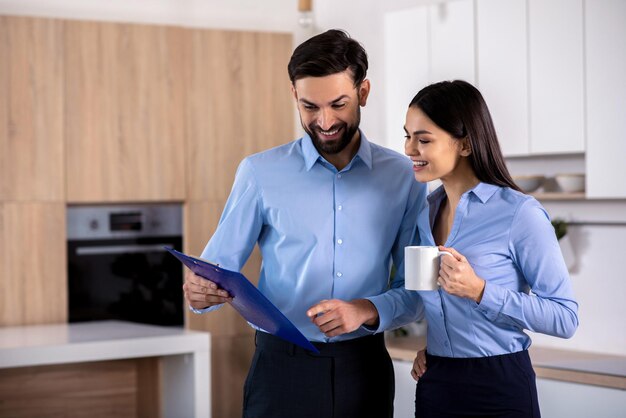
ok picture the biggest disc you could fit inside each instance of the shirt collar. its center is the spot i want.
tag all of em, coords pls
(483, 191)
(311, 155)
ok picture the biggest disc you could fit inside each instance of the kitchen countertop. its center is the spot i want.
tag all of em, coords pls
(570, 366)
(36, 345)
(184, 355)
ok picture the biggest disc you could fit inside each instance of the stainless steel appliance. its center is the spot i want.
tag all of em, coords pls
(117, 267)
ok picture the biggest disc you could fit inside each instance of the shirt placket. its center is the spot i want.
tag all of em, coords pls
(339, 229)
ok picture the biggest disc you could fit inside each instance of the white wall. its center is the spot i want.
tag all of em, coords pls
(266, 15)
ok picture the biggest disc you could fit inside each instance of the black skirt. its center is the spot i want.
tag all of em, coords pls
(497, 386)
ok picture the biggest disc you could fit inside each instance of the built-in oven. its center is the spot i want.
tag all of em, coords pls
(117, 265)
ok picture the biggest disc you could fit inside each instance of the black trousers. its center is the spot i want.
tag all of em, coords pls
(348, 379)
(498, 386)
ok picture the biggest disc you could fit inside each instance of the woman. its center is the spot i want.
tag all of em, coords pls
(503, 246)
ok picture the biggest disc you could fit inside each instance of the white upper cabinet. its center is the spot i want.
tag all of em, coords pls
(423, 45)
(452, 41)
(555, 35)
(605, 46)
(502, 76)
(406, 67)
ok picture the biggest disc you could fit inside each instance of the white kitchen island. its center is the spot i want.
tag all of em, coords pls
(184, 355)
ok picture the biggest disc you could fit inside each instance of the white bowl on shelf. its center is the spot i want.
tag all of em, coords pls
(528, 184)
(570, 182)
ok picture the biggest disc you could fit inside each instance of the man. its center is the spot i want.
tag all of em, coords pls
(330, 211)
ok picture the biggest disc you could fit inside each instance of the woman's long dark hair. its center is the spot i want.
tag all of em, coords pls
(458, 108)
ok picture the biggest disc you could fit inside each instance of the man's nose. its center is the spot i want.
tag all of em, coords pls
(326, 119)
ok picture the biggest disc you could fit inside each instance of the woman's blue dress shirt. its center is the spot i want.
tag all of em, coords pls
(509, 241)
(323, 233)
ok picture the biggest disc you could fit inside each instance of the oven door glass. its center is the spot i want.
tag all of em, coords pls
(125, 279)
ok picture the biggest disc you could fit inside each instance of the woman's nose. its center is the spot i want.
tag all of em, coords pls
(410, 148)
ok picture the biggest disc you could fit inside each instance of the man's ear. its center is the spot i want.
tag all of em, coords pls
(466, 148)
(364, 91)
(294, 92)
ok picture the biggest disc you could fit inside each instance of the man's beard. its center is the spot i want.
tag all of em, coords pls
(337, 145)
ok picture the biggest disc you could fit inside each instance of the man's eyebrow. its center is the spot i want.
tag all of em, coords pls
(338, 99)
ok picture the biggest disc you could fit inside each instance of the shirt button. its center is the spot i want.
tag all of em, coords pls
(339, 207)
(338, 176)
(339, 274)
(339, 241)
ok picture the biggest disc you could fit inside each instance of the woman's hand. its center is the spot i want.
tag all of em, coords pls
(457, 277)
(419, 365)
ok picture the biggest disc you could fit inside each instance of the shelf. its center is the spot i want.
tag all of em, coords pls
(559, 196)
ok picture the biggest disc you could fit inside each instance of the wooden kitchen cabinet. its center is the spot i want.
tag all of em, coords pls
(240, 104)
(31, 109)
(230, 360)
(605, 62)
(125, 92)
(555, 36)
(33, 266)
(502, 70)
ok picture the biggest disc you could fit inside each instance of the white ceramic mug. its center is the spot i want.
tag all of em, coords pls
(421, 267)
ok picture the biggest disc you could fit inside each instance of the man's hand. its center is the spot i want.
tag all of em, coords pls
(201, 293)
(335, 317)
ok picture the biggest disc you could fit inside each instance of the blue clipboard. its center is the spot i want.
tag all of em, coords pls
(247, 300)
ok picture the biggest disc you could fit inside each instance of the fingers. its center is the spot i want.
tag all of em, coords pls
(320, 308)
(457, 255)
(201, 293)
(331, 317)
(419, 365)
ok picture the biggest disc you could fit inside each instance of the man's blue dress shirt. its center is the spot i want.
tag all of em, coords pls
(323, 233)
(509, 241)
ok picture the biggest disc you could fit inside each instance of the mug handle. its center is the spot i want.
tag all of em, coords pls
(440, 253)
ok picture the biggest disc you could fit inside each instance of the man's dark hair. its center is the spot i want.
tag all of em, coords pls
(328, 53)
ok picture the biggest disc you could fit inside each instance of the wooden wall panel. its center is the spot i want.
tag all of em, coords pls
(31, 109)
(230, 357)
(125, 112)
(240, 104)
(33, 266)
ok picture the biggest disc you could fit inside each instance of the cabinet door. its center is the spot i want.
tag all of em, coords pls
(406, 67)
(125, 96)
(33, 266)
(239, 103)
(31, 109)
(606, 98)
(452, 41)
(404, 401)
(502, 64)
(556, 76)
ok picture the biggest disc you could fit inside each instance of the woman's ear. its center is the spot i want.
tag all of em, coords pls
(466, 148)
